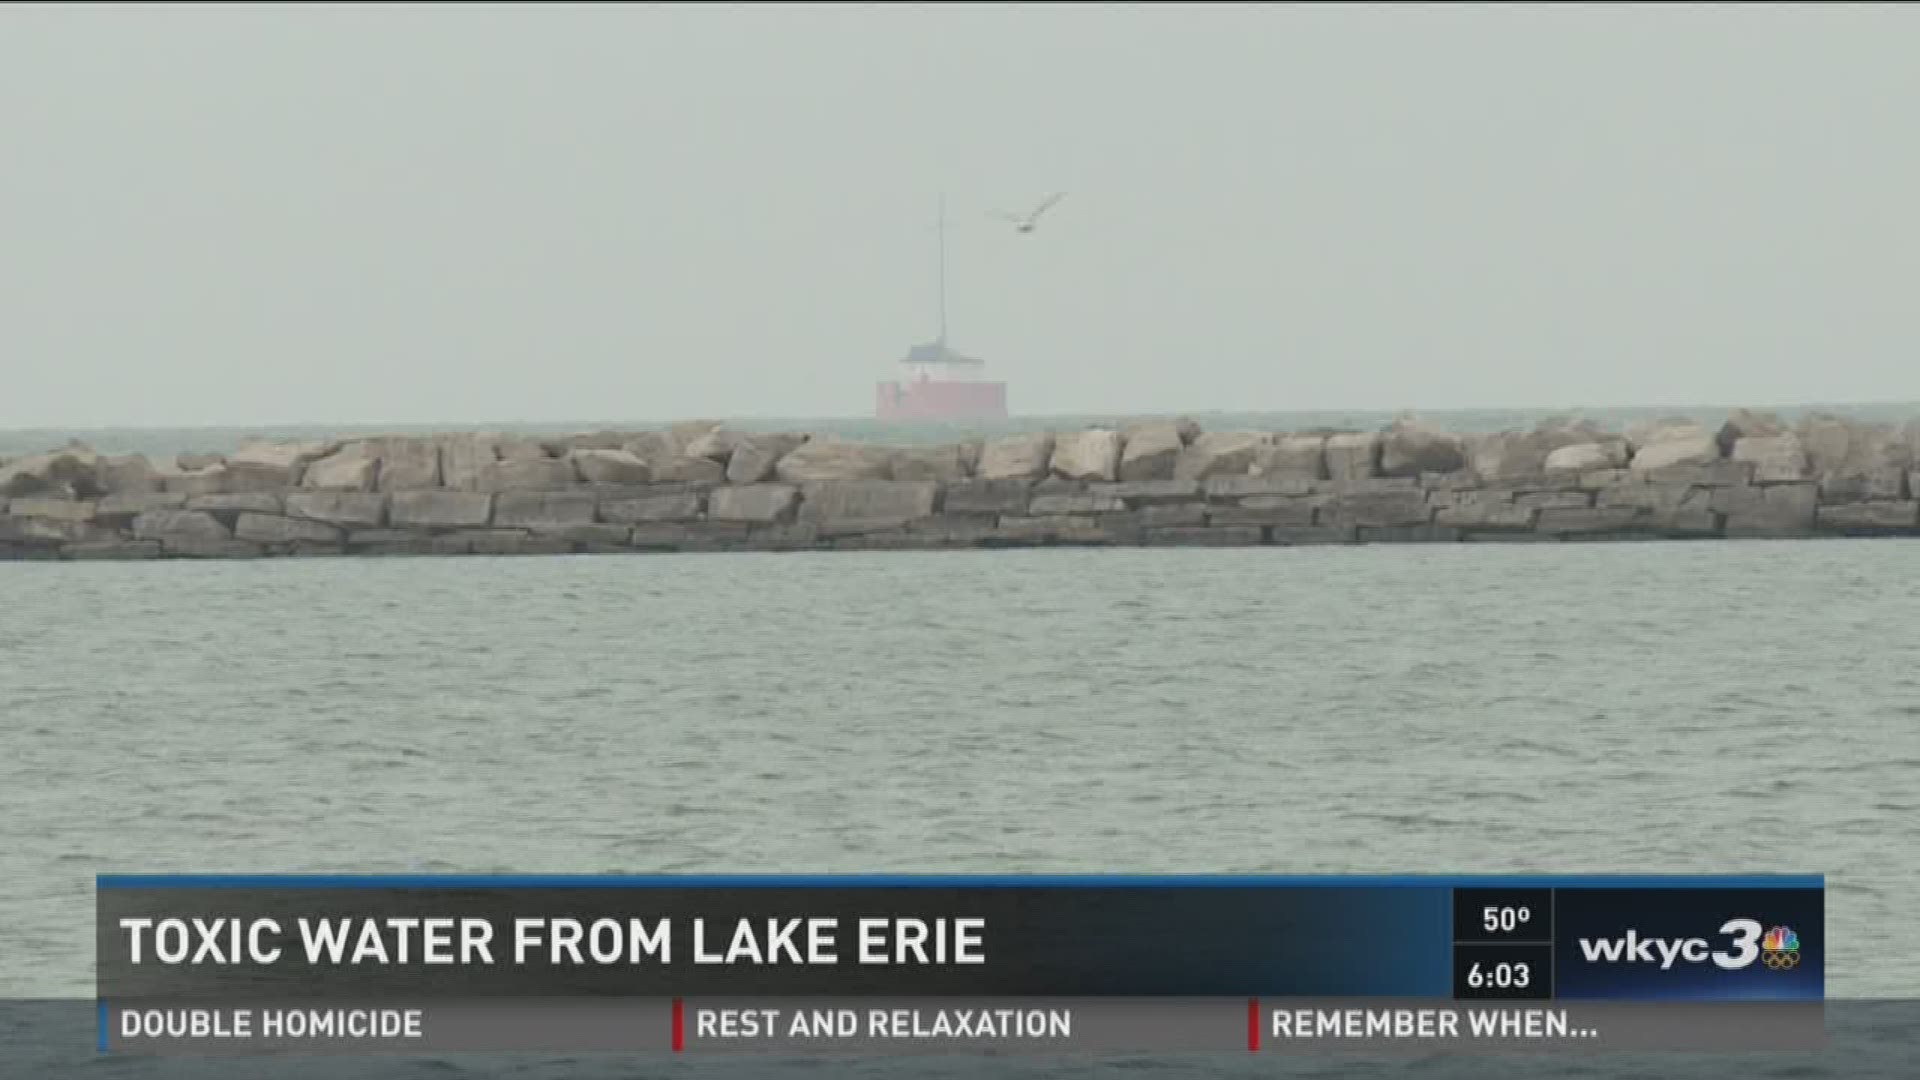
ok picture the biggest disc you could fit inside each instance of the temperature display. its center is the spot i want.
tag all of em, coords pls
(1521, 915)
(1504, 920)
(1503, 943)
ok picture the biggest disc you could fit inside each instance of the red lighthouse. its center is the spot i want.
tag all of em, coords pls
(939, 383)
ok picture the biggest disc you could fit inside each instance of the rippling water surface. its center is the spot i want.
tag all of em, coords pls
(1667, 707)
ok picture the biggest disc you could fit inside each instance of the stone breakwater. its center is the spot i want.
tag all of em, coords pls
(703, 487)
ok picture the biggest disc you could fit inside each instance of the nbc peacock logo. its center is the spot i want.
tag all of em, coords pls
(1780, 949)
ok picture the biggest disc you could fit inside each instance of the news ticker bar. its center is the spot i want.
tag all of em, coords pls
(1519, 939)
(921, 1026)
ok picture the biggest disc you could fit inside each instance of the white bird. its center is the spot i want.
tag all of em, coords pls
(1025, 222)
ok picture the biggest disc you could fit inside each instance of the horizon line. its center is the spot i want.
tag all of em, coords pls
(577, 423)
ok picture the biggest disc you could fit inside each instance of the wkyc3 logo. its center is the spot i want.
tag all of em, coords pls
(1777, 948)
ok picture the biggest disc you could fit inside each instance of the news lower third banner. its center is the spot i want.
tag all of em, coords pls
(944, 964)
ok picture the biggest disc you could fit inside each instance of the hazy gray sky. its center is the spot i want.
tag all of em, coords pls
(249, 216)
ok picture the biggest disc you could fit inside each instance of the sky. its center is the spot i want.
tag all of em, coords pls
(232, 215)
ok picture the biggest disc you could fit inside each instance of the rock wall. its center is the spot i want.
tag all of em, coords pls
(702, 487)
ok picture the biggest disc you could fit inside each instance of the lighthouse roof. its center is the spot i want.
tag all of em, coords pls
(936, 352)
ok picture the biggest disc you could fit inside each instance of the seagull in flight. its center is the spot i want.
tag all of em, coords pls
(1025, 222)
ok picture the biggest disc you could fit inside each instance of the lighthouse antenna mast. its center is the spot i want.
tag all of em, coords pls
(941, 228)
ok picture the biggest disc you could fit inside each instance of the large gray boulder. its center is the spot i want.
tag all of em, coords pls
(1266, 510)
(677, 441)
(1655, 496)
(385, 462)
(1352, 455)
(228, 503)
(833, 459)
(274, 465)
(1377, 509)
(1510, 455)
(1220, 453)
(687, 432)
(1488, 514)
(126, 473)
(207, 480)
(754, 456)
(52, 509)
(42, 533)
(1410, 446)
(1016, 457)
(945, 463)
(516, 448)
(987, 497)
(653, 445)
(440, 509)
(522, 474)
(464, 457)
(752, 502)
(1775, 458)
(1711, 475)
(407, 462)
(1855, 461)
(121, 507)
(350, 468)
(1672, 449)
(73, 469)
(845, 507)
(543, 510)
(1086, 455)
(1587, 457)
(1149, 451)
(1299, 457)
(636, 509)
(1747, 424)
(1075, 502)
(1518, 455)
(685, 469)
(1504, 455)
(274, 529)
(716, 445)
(347, 509)
(610, 467)
(1772, 510)
(235, 480)
(179, 524)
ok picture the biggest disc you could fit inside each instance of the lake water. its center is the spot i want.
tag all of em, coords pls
(1666, 707)
(159, 442)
